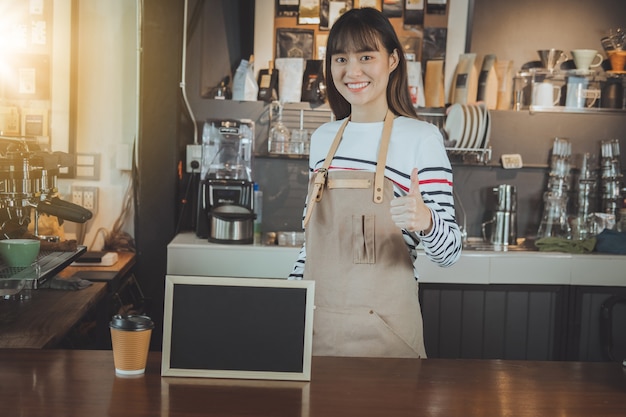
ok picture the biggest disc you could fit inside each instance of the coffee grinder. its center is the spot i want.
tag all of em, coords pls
(225, 200)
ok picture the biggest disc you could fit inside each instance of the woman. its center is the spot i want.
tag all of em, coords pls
(381, 182)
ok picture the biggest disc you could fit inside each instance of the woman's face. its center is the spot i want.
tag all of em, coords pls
(362, 77)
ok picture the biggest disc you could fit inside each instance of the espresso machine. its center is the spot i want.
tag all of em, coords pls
(28, 187)
(225, 197)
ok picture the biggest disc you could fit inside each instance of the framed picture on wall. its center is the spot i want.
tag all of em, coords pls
(287, 8)
(330, 10)
(393, 8)
(374, 4)
(436, 6)
(434, 44)
(413, 13)
(309, 12)
(294, 43)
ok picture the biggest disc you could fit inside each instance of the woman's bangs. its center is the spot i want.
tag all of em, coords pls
(359, 39)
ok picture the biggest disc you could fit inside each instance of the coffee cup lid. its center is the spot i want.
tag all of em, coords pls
(131, 322)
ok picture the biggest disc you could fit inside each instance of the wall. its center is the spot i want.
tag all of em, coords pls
(106, 108)
(516, 30)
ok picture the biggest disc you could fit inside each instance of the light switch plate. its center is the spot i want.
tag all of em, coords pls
(511, 161)
(88, 166)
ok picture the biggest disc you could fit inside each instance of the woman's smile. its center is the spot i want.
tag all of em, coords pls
(357, 86)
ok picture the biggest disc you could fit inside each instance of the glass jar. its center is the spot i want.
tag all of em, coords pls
(554, 222)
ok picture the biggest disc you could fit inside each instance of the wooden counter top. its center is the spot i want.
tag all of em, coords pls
(83, 383)
(43, 320)
(125, 261)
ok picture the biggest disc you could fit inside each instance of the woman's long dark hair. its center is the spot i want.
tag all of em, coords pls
(365, 30)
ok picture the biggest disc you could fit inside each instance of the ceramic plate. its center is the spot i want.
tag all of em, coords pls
(469, 123)
(487, 129)
(455, 123)
(476, 119)
(467, 132)
(480, 134)
(467, 127)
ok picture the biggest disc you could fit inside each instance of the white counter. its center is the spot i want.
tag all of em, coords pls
(189, 255)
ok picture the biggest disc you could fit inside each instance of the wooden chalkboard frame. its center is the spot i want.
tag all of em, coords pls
(265, 326)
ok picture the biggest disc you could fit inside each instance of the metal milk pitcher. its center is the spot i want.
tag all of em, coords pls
(504, 222)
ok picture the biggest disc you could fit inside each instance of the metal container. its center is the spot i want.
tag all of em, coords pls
(231, 224)
(504, 222)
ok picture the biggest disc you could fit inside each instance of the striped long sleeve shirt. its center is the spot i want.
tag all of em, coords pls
(413, 144)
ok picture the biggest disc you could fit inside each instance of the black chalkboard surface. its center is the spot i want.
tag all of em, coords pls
(246, 328)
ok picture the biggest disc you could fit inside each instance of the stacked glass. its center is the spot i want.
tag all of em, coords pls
(554, 221)
(585, 195)
(279, 134)
(611, 178)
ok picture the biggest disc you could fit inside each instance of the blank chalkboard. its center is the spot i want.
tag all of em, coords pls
(246, 328)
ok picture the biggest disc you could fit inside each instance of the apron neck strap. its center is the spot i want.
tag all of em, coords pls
(382, 158)
(333, 147)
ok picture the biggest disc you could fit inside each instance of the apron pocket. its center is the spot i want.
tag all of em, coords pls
(356, 332)
(363, 243)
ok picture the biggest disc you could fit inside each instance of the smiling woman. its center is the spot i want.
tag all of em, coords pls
(380, 184)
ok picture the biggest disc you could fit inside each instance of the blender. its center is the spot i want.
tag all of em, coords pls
(226, 212)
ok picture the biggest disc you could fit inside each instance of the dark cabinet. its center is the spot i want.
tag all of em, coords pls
(529, 322)
(597, 324)
(493, 321)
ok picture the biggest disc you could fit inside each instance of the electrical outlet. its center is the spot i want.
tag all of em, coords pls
(86, 197)
(194, 158)
(77, 196)
(90, 199)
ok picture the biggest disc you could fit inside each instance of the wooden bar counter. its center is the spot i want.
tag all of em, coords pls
(83, 383)
(48, 315)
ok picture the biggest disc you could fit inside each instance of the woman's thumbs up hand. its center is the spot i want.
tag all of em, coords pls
(409, 212)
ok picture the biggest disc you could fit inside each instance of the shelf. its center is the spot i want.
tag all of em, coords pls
(282, 156)
(593, 74)
(457, 155)
(469, 155)
(562, 109)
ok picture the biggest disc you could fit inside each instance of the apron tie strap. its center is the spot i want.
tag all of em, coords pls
(316, 195)
(318, 184)
(322, 175)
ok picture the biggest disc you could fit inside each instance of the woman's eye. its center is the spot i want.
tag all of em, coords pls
(366, 57)
(340, 59)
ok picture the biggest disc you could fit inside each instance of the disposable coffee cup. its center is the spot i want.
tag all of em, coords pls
(130, 338)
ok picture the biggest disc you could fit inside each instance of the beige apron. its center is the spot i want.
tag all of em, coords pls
(366, 298)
